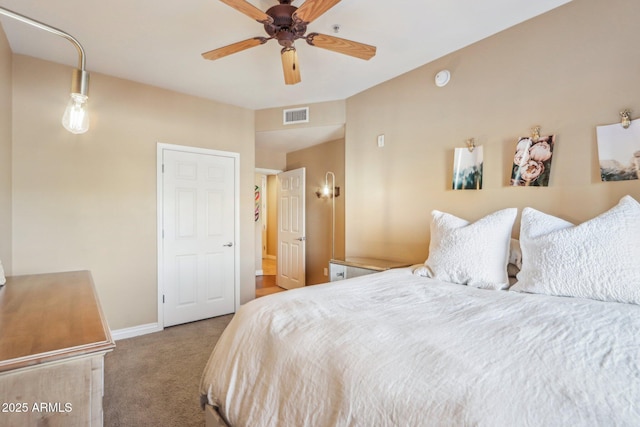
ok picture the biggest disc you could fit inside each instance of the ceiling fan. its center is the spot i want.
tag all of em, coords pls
(287, 23)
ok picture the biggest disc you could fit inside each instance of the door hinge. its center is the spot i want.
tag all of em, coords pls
(163, 298)
(163, 168)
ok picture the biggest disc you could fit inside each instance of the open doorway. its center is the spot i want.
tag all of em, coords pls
(266, 223)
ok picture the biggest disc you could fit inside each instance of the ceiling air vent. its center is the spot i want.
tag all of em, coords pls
(295, 115)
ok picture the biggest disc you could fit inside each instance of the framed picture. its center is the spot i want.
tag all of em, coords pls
(532, 161)
(619, 151)
(467, 169)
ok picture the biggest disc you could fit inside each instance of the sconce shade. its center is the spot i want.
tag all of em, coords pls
(326, 192)
(290, 66)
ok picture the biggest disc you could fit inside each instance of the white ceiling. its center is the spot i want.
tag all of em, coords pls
(160, 42)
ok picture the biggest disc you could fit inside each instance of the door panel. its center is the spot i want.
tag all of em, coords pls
(198, 224)
(186, 279)
(291, 229)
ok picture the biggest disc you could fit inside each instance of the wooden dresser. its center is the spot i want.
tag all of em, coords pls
(53, 338)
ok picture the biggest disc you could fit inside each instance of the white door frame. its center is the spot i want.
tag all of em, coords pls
(264, 171)
(159, 209)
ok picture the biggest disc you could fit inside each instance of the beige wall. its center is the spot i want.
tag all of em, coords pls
(274, 160)
(318, 160)
(569, 70)
(320, 114)
(89, 201)
(5, 152)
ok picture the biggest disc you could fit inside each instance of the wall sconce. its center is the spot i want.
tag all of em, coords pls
(625, 118)
(326, 192)
(326, 189)
(76, 116)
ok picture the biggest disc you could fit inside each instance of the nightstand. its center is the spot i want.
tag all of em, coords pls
(354, 267)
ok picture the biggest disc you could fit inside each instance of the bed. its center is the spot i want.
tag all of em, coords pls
(412, 347)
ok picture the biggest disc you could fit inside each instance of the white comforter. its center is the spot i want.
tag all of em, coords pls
(394, 349)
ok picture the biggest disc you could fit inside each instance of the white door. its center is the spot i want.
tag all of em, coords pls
(198, 228)
(291, 226)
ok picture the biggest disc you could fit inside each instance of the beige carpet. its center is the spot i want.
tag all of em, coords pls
(153, 380)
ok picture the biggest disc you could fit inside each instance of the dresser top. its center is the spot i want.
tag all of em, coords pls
(370, 263)
(45, 317)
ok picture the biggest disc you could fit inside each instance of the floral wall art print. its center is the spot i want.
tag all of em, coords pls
(619, 151)
(467, 169)
(532, 161)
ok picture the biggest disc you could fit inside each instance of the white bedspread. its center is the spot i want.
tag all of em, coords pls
(393, 349)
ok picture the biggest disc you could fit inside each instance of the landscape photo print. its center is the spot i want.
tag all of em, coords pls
(619, 151)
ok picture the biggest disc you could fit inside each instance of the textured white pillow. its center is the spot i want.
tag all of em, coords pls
(474, 254)
(515, 253)
(598, 259)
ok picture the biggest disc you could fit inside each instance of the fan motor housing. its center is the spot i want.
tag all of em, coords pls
(284, 28)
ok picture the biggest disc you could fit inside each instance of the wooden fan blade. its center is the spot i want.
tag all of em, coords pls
(347, 47)
(248, 9)
(290, 66)
(234, 48)
(312, 9)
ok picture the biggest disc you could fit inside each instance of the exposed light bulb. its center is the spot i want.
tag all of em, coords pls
(76, 116)
(326, 191)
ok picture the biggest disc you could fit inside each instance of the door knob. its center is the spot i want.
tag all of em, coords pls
(301, 239)
(228, 245)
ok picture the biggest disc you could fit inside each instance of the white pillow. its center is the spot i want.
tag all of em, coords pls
(515, 254)
(3, 280)
(598, 259)
(474, 254)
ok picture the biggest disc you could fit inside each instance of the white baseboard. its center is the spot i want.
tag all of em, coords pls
(259, 272)
(135, 331)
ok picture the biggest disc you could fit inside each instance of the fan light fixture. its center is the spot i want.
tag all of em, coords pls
(76, 115)
(286, 24)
